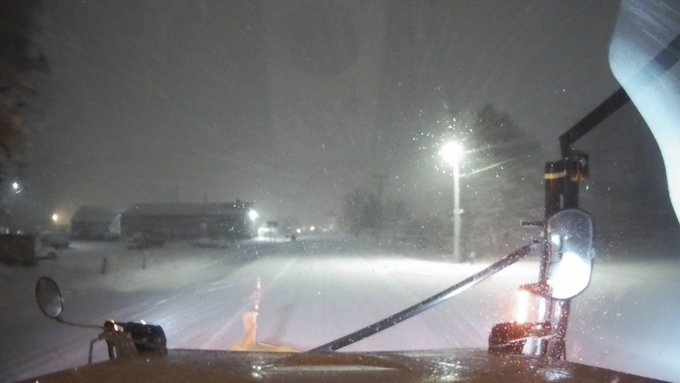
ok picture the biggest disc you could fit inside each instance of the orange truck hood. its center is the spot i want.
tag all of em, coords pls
(412, 366)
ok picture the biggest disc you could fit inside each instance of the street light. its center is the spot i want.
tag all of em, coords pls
(16, 187)
(452, 153)
(55, 218)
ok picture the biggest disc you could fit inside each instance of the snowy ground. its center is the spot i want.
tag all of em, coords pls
(316, 289)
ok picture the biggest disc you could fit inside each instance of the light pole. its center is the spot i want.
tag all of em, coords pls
(452, 153)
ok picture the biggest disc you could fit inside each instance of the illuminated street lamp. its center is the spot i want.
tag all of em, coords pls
(252, 214)
(16, 187)
(55, 218)
(452, 153)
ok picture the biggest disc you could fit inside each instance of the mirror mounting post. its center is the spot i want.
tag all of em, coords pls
(561, 179)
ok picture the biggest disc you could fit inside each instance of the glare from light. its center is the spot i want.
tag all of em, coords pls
(570, 276)
(555, 239)
(522, 307)
(312, 228)
(542, 307)
(298, 230)
(452, 152)
(656, 103)
(252, 214)
(55, 217)
(15, 186)
(529, 307)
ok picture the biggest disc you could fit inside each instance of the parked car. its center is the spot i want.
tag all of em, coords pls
(209, 243)
(53, 239)
(270, 229)
(144, 241)
(17, 248)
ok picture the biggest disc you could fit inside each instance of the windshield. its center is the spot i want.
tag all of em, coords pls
(287, 172)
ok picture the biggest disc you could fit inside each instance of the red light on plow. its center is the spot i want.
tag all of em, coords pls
(529, 307)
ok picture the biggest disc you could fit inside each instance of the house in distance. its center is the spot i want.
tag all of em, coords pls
(95, 223)
(190, 220)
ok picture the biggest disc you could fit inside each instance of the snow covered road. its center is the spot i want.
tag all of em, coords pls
(317, 289)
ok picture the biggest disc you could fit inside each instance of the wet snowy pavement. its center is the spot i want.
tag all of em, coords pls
(317, 289)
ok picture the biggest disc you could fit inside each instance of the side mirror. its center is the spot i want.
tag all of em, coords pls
(570, 239)
(49, 298)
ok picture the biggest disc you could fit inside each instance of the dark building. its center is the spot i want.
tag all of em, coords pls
(233, 220)
(91, 222)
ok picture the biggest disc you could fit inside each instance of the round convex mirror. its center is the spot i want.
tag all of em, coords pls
(570, 234)
(49, 297)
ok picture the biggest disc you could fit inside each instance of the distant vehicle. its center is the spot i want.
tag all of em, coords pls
(141, 241)
(209, 243)
(269, 229)
(53, 239)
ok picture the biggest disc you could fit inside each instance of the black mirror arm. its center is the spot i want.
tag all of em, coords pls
(92, 326)
(425, 304)
(662, 62)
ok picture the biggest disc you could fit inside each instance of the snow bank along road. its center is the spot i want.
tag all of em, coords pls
(316, 289)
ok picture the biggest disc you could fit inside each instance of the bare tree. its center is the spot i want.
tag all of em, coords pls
(18, 58)
(361, 211)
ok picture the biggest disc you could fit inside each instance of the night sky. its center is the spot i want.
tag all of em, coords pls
(292, 104)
